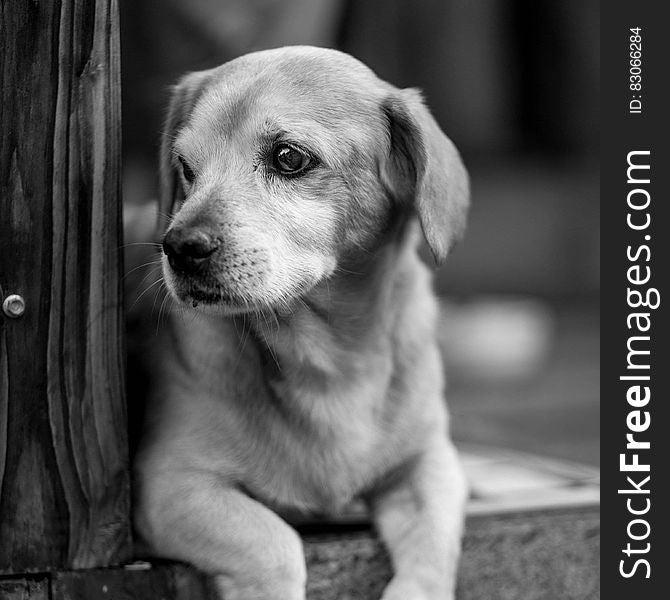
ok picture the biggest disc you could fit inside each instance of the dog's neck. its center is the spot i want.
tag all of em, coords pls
(352, 313)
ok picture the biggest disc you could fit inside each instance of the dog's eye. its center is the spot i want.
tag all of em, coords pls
(188, 172)
(290, 160)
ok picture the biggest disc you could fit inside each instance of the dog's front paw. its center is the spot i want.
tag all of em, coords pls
(404, 588)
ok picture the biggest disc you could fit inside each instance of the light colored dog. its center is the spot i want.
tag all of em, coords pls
(309, 373)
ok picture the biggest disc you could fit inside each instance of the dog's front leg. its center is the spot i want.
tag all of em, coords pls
(250, 551)
(420, 518)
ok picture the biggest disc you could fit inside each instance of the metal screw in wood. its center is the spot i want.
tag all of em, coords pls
(14, 306)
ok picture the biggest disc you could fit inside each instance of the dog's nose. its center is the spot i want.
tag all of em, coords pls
(188, 250)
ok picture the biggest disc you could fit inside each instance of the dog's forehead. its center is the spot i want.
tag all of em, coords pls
(324, 86)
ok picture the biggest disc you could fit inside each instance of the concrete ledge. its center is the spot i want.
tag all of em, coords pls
(537, 555)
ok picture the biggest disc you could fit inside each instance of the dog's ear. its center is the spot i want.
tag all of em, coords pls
(182, 100)
(424, 168)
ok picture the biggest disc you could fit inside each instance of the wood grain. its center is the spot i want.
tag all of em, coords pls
(25, 589)
(169, 582)
(64, 490)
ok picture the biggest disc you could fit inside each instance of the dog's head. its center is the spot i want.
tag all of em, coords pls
(283, 164)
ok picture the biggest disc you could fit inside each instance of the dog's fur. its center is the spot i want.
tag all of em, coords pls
(300, 369)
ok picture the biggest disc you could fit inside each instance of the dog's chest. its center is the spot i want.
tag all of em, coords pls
(327, 446)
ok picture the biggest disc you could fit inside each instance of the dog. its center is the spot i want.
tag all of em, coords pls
(298, 367)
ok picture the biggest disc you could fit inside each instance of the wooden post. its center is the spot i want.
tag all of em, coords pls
(64, 483)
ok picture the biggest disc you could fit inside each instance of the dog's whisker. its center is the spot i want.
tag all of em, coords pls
(129, 244)
(145, 291)
(148, 287)
(167, 307)
(270, 311)
(157, 293)
(269, 347)
(172, 306)
(304, 304)
(267, 325)
(194, 316)
(178, 309)
(274, 357)
(146, 264)
(243, 342)
(347, 271)
(160, 213)
(237, 331)
(151, 273)
(160, 311)
(276, 319)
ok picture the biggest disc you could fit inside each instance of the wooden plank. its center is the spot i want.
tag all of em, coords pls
(168, 582)
(113, 583)
(24, 589)
(64, 499)
(192, 585)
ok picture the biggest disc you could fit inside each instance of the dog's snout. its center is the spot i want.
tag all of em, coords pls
(188, 250)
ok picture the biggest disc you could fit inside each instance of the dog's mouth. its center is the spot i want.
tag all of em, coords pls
(219, 300)
(202, 288)
(198, 296)
(209, 297)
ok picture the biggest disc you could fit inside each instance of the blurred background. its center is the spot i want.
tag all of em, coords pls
(515, 84)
